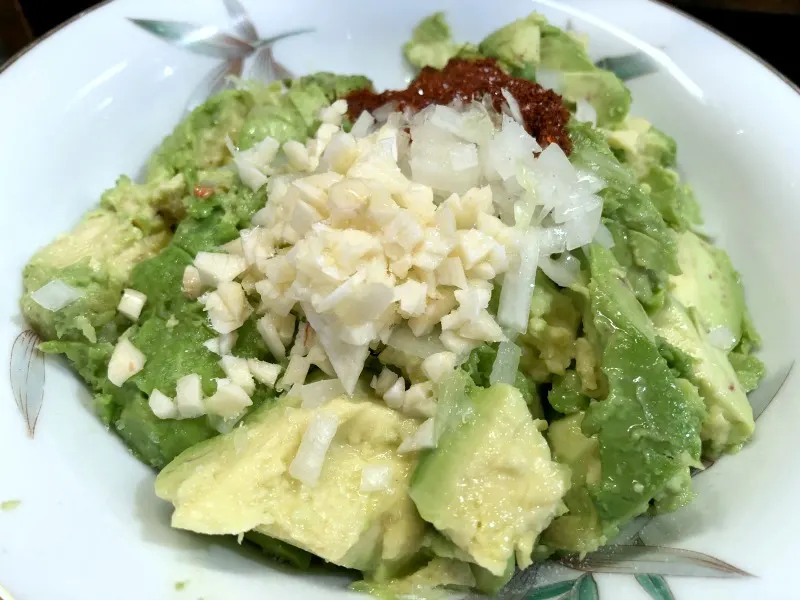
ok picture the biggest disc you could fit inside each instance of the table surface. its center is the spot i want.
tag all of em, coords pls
(765, 26)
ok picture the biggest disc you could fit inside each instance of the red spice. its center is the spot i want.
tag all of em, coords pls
(542, 110)
(203, 191)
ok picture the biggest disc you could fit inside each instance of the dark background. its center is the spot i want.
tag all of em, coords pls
(766, 27)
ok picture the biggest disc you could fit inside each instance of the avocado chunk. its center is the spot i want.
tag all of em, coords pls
(642, 145)
(490, 485)
(517, 44)
(606, 92)
(548, 345)
(648, 427)
(198, 142)
(729, 417)
(710, 286)
(238, 482)
(580, 529)
(431, 43)
(643, 242)
(95, 259)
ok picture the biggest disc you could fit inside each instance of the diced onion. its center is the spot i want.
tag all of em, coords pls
(562, 271)
(603, 236)
(404, 340)
(513, 106)
(721, 337)
(504, 369)
(314, 395)
(585, 112)
(422, 438)
(551, 80)
(55, 295)
(362, 125)
(376, 478)
(307, 463)
(515, 297)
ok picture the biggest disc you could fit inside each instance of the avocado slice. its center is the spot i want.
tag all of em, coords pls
(490, 485)
(580, 529)
(729, 420)
(709, 285)
(238, 482)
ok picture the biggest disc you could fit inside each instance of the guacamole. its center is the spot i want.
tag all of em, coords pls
(429, 343)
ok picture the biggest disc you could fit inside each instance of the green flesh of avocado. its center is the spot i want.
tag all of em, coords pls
(514, 487)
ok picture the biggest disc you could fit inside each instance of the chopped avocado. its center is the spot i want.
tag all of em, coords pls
(612, 302)
(489, 583)
(479, 367)
(9, 505)
(642, 145)
(160, 279)
(151, 207)
(157, 441)
(548, 347)
(605, 91)
(198, 142)
(173, 353)
(729, 418)
(336, 86)
(749, 370)
(431, 43)
(280, 551)
(675, 201)
(89, 359)
(238, 482)
(560, 51)
(517, 44)
(566, 396)
(709, 285)
(648, 428)
(490, 485)
(293, 115)
(95, 258)
(579, 530)
(642, 232)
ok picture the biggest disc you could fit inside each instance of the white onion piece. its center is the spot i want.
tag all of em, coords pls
(513, 106)
(404, 340)
(552, 240)
(346, 359)
(314, 395)
(603, 236)
(307, 463)
(551, 80)
(506, 363)
(382, 113)
(362, 125)
(581, 229)
(422, 438)
(55, 295)
(515, 297)
(376, 478)
(585, 112)
(562, 271)
(721, 337)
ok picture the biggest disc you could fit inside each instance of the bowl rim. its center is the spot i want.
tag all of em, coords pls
(662, 3)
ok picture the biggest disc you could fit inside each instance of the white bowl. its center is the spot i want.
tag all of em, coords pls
(93, 99)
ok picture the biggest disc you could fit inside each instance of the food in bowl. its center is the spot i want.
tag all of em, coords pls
(432, 334)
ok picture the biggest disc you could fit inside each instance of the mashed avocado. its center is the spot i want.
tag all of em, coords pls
(626, 378)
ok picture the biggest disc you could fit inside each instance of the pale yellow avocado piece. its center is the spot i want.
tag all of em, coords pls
(709, 284)
(240, 482)
(729, 421)
(491, 485)
(579, 530)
